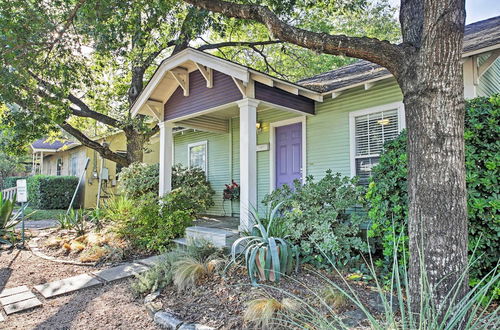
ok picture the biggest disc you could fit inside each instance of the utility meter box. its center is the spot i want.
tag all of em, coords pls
(104, 174)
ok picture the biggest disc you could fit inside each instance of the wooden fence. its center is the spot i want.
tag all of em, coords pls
(9, 193)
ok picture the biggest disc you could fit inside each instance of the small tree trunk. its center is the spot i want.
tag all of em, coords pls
(432, 85)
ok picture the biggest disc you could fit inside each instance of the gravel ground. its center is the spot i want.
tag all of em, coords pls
(104, 307)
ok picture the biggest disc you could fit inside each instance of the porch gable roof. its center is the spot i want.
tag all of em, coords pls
(173, 75)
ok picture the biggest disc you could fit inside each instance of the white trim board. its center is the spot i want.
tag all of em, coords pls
(272, 148)
(352, 115)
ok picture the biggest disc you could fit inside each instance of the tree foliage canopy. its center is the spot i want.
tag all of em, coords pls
(80, 64)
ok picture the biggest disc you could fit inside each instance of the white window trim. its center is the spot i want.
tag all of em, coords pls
(195, 144)
(272, 147)
(352, 137)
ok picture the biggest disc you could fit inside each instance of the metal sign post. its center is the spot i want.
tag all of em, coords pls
(78, 186)
(22, 197)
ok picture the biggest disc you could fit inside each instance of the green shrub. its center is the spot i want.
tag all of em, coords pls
(11, 181)
(140, 179)
(193, 182)
(387, 195)
(154, 224)
(51, 192)
(318, 219)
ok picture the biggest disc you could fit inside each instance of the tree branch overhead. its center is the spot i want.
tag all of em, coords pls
(374, 50)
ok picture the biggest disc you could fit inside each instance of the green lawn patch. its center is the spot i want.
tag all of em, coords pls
(33, 214)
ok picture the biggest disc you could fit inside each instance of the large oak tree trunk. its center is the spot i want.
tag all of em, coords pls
(432, 85)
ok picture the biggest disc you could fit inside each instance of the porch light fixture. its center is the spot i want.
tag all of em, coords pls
(383, 122)
(258, 126)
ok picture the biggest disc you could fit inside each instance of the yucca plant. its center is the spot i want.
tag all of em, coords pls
(266, 257)
(8, 220)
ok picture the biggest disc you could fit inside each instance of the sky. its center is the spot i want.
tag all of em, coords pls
(477, 10)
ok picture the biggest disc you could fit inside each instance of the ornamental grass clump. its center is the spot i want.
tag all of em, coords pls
(399, 309)
(184, 267)
(266, 257)
(261, 312)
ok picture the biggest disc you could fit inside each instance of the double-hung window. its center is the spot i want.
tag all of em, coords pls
(198, 155)
(73, 164)
(369, 130)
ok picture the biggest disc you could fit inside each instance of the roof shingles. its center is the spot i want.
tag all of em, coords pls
(478, 35)
(43, 143)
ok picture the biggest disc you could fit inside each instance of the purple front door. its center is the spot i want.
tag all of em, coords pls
(288, 154)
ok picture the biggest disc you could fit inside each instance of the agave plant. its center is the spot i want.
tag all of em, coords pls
(266, 257)
(8, 219)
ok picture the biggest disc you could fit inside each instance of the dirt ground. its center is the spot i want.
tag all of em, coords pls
(110, 306)
(220, 301)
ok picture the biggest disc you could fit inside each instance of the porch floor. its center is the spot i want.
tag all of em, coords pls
(216, 222)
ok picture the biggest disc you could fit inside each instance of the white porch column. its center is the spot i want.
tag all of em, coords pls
(41, 162)
(248, 161)
(470, 77)
(166, 157)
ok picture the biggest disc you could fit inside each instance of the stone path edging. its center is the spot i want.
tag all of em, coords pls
(33, 247)
(168, 320)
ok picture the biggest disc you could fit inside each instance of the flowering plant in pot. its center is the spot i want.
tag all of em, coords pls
(232, 191)
(266, 257)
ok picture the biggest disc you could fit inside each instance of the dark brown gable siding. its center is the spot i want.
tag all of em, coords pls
(200, 97)
(280, 97)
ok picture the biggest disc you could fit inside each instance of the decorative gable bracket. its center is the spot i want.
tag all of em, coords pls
(182, 77)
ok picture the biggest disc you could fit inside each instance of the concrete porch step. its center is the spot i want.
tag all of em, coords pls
(218, 237)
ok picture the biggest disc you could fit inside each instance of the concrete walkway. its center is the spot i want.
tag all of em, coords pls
(22, 298)
(38, 224)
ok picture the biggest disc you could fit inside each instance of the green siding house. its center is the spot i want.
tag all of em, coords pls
(243, 125)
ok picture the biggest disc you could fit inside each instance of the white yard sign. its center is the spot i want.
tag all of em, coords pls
(22, 191)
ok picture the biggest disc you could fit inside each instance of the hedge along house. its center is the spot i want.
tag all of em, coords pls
(60, 158)
(263, 132)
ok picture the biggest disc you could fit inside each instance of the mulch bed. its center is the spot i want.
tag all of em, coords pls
(111, 306)
(123, 255)
(220, 302)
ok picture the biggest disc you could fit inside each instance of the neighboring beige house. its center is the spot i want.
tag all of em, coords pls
(68, 158)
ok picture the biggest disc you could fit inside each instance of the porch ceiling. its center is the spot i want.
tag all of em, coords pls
(218, 121)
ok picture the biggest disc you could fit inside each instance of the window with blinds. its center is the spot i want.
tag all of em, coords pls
(371, 132)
